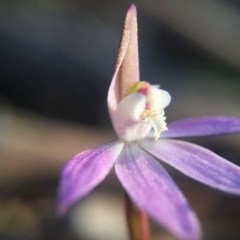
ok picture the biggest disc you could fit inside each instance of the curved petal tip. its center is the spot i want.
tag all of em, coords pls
(132, 9)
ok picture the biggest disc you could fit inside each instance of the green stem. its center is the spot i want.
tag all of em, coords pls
(137, 221)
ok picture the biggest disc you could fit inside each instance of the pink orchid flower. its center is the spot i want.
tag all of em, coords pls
(137, 113)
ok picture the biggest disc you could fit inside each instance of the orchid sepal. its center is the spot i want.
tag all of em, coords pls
(126, 69)
(203, 126)
(84, 172)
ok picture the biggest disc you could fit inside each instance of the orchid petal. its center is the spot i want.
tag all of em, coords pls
(127, 65)
(84, 172)
(196, 162)
(153, 190)
(203, 126)
(126, 119)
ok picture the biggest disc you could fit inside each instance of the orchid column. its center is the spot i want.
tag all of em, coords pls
(126, 74)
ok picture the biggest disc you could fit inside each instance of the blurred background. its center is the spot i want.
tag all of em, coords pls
(56, 64)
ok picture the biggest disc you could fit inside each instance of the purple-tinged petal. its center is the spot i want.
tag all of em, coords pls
(127, 65)
(84, 172)
(203, 126)
(152, 189)
(196, 162)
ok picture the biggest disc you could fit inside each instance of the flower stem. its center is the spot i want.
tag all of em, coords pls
(137, 221)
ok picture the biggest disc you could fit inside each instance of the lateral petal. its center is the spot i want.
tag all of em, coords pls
(152, 189)
(85, 171)
(196, 162)
(203, 126)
